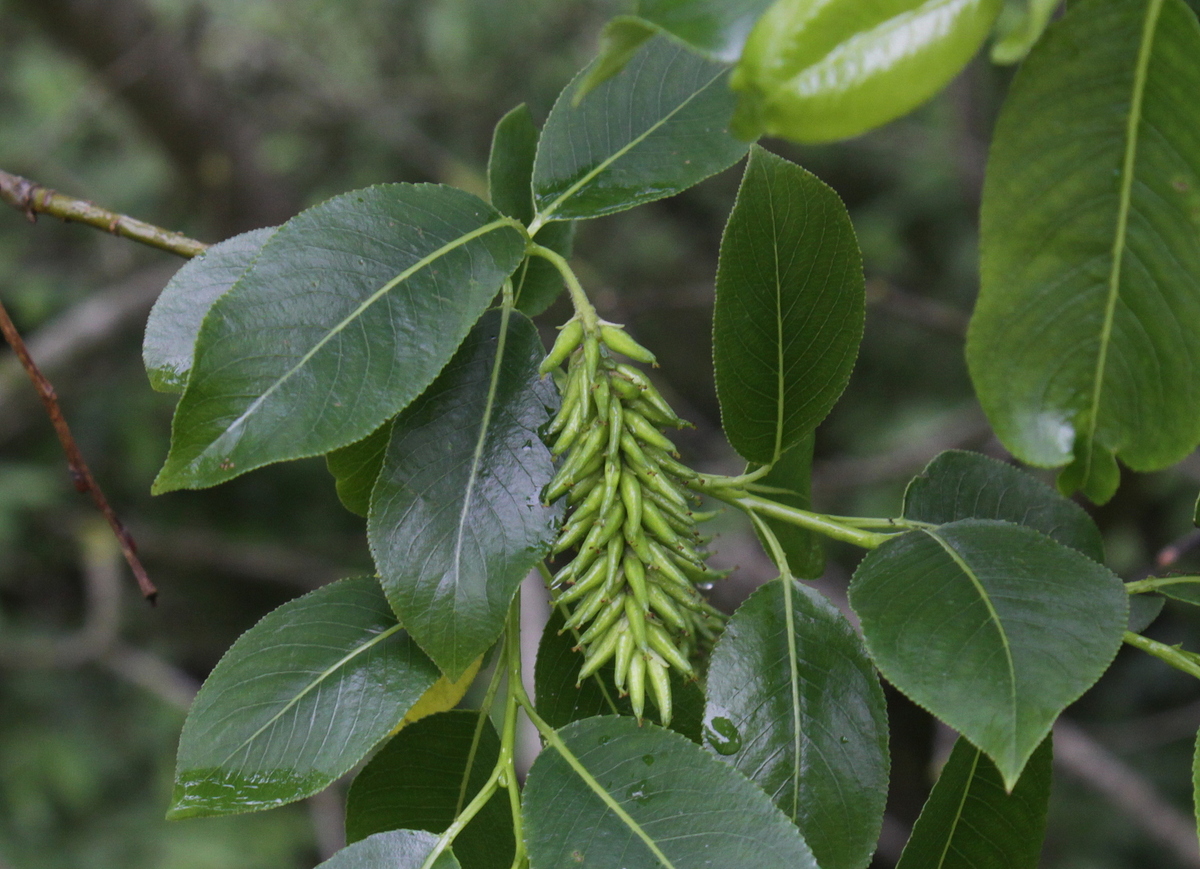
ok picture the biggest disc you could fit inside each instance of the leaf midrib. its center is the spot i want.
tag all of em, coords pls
(325, 674)
(1132, 125)
(958, 812)
(407, 273)
(542, 217)
(994, 616)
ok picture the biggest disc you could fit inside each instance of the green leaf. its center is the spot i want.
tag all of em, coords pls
(657, 128)
(793, 471)
(1081, 347)
(415, 782)
(1143, 610)
(795, 704)
(992, 627)
(817, 72)
(1196, 783)
(536, 282)
(963, 485)
(971, 822)
(647, 798)
(398, 849)
(297, 701)
(559, 702)
(1020, 24)
(1186, 590)
(348, 313)
(356, 467)
(456, 517)
(175, 318)
(788, 317)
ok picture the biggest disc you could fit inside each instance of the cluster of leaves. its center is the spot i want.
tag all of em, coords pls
(363, 330)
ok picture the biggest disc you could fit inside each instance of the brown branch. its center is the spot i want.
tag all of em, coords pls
(33, 199)
(81, 474)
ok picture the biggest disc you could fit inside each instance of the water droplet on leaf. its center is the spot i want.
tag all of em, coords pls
(723, 736)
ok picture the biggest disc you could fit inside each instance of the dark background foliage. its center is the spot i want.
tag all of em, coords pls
(215, 116)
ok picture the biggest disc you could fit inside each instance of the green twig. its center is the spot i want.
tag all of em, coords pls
(822, 524)
(1173, 655)
(33, 199)
(583, 306)
(1142, 586)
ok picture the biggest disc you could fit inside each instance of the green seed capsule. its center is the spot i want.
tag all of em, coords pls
(583, 488)
(641, 428)
(656, 525)
(591, 503)
(570, 400)
(660, 683)
(594, 577)
(574, 531)
(591, 359)
(600, 534)
(616, 416)
(669, 463)
(598, 655)
(620, 341)
(612, 564)
(624, 655)
(637, 621)
(666, 609)
(635, 578)
(637, 684)
(575, 424)
(655, 414)
(631, 497)
(568, 339)
(600, 397)
(591, 604)
(625, 388)
(604, 620)
(668, 506)
(663, 644)
(612, 482)
(640, 544)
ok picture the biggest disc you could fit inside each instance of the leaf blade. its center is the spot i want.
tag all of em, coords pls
(1089, 248)
(991, 626)
(415, 782)
(450, 565)
(364, 298)
(971, 822)
(397, 849)
(816, 724)
(274, 679)
(629, 142)
(785, 337)
(653, 814)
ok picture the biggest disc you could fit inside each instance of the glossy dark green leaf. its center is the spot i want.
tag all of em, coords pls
(803, 717)
(559, 702)
(415, 782)
(652, 799)
(456, 517)
(656, 128)
(971, 822)
(993, 627)
(1081, 347)
(793, 471)
(788, 317)
(963, 485)
(816, 72)
(348, 313)
(1020, 24)
(297, 701)
(175, 318)
(715, 28)
(398, 849)
(536, 283)
(356, 467)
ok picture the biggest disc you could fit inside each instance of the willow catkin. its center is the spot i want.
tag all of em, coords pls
(634, 554)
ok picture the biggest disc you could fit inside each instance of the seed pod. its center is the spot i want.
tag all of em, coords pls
(624, 655)
(600, 397)
(570, 400)
(620, 341)
(612, 564)
(637, 622)
(568, 339)
(661, 643)
(583, 488)
(594, 577)
(604, 620)
(574, 531)
(615, 427)
(574, 424)
(635, 578)
(637, 684)
(666, 609)
(598, 655)
(625, 388)
(660, 683)
(653, 522)
(612, 482)
(591, 358)
(631, 497)
(600, 534)
(641, 428)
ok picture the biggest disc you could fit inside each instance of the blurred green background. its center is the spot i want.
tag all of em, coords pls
(214, 116)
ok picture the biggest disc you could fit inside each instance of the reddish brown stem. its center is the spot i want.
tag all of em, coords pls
(81, 474)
